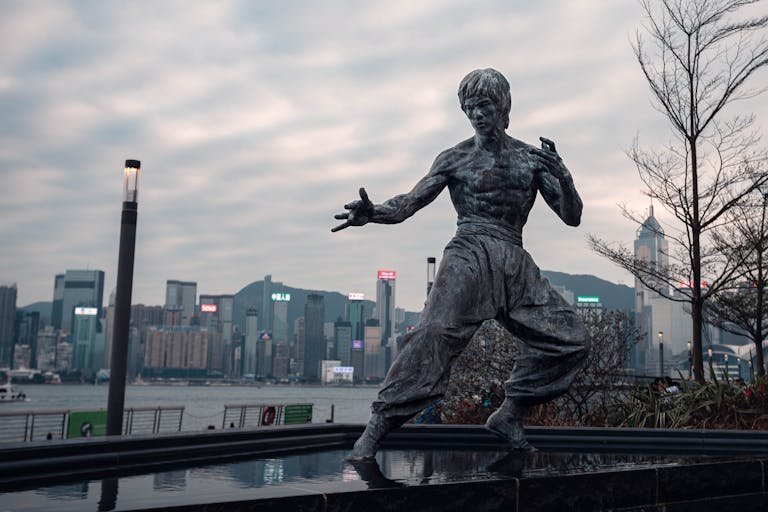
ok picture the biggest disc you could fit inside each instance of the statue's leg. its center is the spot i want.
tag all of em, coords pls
(554, 346)
(419, 374)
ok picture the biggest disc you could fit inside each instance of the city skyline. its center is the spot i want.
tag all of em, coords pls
(256, 123)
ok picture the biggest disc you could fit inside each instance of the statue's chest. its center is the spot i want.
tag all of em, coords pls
(504, 173)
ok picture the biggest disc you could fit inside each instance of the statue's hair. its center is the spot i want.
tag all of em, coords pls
(490, 83)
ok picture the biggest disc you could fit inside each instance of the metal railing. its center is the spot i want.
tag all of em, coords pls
(152, 420)
(251, 415)
(54, 423)
(33, 425)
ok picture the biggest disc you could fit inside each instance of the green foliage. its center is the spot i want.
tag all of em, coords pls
(715, 404)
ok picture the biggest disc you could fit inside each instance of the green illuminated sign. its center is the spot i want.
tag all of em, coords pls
(593, 300)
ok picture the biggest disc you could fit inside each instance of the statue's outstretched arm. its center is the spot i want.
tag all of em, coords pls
(400, 207)
(556, 184)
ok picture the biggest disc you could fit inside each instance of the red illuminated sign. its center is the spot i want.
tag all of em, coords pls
(387, 274)
(208, 308)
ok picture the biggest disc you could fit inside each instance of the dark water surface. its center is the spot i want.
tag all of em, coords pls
(312, 473)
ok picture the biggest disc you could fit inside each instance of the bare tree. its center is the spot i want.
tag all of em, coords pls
(476, 387)
(697, 60)
(742, 310)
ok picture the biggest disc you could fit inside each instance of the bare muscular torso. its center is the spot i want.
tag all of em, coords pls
(491, 186)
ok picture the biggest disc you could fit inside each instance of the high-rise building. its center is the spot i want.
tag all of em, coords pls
(21, 356)
(176, 351)
(216, 316)
(63, 356)
(27, 327)
(342, 341)
(314, 349)
(77, 288)
(251, 342)
(374, 355)
(299, 328)
(47, 340)
(7, 324)
(58, 301)
(356, 315)
(280, 331)
(280, 360)
(264, 355)
(357, 359)
(650, 246)
(266, 317)
(84, 337)
(184, 294)
(385, 304)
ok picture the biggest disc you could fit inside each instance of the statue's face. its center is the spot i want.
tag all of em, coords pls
(483, 113)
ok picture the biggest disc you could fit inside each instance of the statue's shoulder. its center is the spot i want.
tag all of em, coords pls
(450, 158)
(516, 144)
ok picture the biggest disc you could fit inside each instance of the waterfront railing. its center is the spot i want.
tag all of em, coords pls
(51, 424)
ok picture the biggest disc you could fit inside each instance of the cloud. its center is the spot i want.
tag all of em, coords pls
(256, 122)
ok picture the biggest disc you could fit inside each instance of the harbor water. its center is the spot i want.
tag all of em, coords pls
(203, 405)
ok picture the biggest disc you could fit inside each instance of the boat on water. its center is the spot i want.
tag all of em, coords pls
(9, 392)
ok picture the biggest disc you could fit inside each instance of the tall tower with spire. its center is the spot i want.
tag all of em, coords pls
(650, 246)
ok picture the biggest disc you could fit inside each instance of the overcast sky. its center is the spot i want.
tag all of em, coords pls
(256, 121)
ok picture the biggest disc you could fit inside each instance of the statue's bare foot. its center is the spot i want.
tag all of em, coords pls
(367, 444)
(509, 427)
(365, 448)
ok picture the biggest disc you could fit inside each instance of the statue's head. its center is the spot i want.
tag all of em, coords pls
(490, 84)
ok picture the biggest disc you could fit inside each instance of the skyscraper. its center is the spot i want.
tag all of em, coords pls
(650, 246)
(342, 341)
(314, 349)
(27, 326)
(77, 288)
(184, 294)
(374, 356)
(216, 316)
(7, 324)
(385, 304)
(251, 341)
(355, 314)
(84, 337)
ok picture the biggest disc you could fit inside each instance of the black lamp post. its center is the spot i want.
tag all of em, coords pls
(690, 362)
(725, 356)
(661, 354)
(431, 262)
(118, 363)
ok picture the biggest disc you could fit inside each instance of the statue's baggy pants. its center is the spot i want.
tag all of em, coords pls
(484, 277)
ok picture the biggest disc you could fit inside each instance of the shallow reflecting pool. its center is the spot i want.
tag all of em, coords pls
(312, 473)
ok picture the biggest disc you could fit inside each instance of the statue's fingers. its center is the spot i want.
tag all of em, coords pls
(549, 143)
(340, 216)
(364, 195)
(340, 227)
(354, 204)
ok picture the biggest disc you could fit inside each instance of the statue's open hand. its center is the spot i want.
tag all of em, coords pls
(360, 212)
(550, 160)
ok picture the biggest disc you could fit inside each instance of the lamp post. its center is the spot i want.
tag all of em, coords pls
(661, 354)
(709, 355)
(690, 361)
(725, 356)
(430, 273)
(116, 400)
